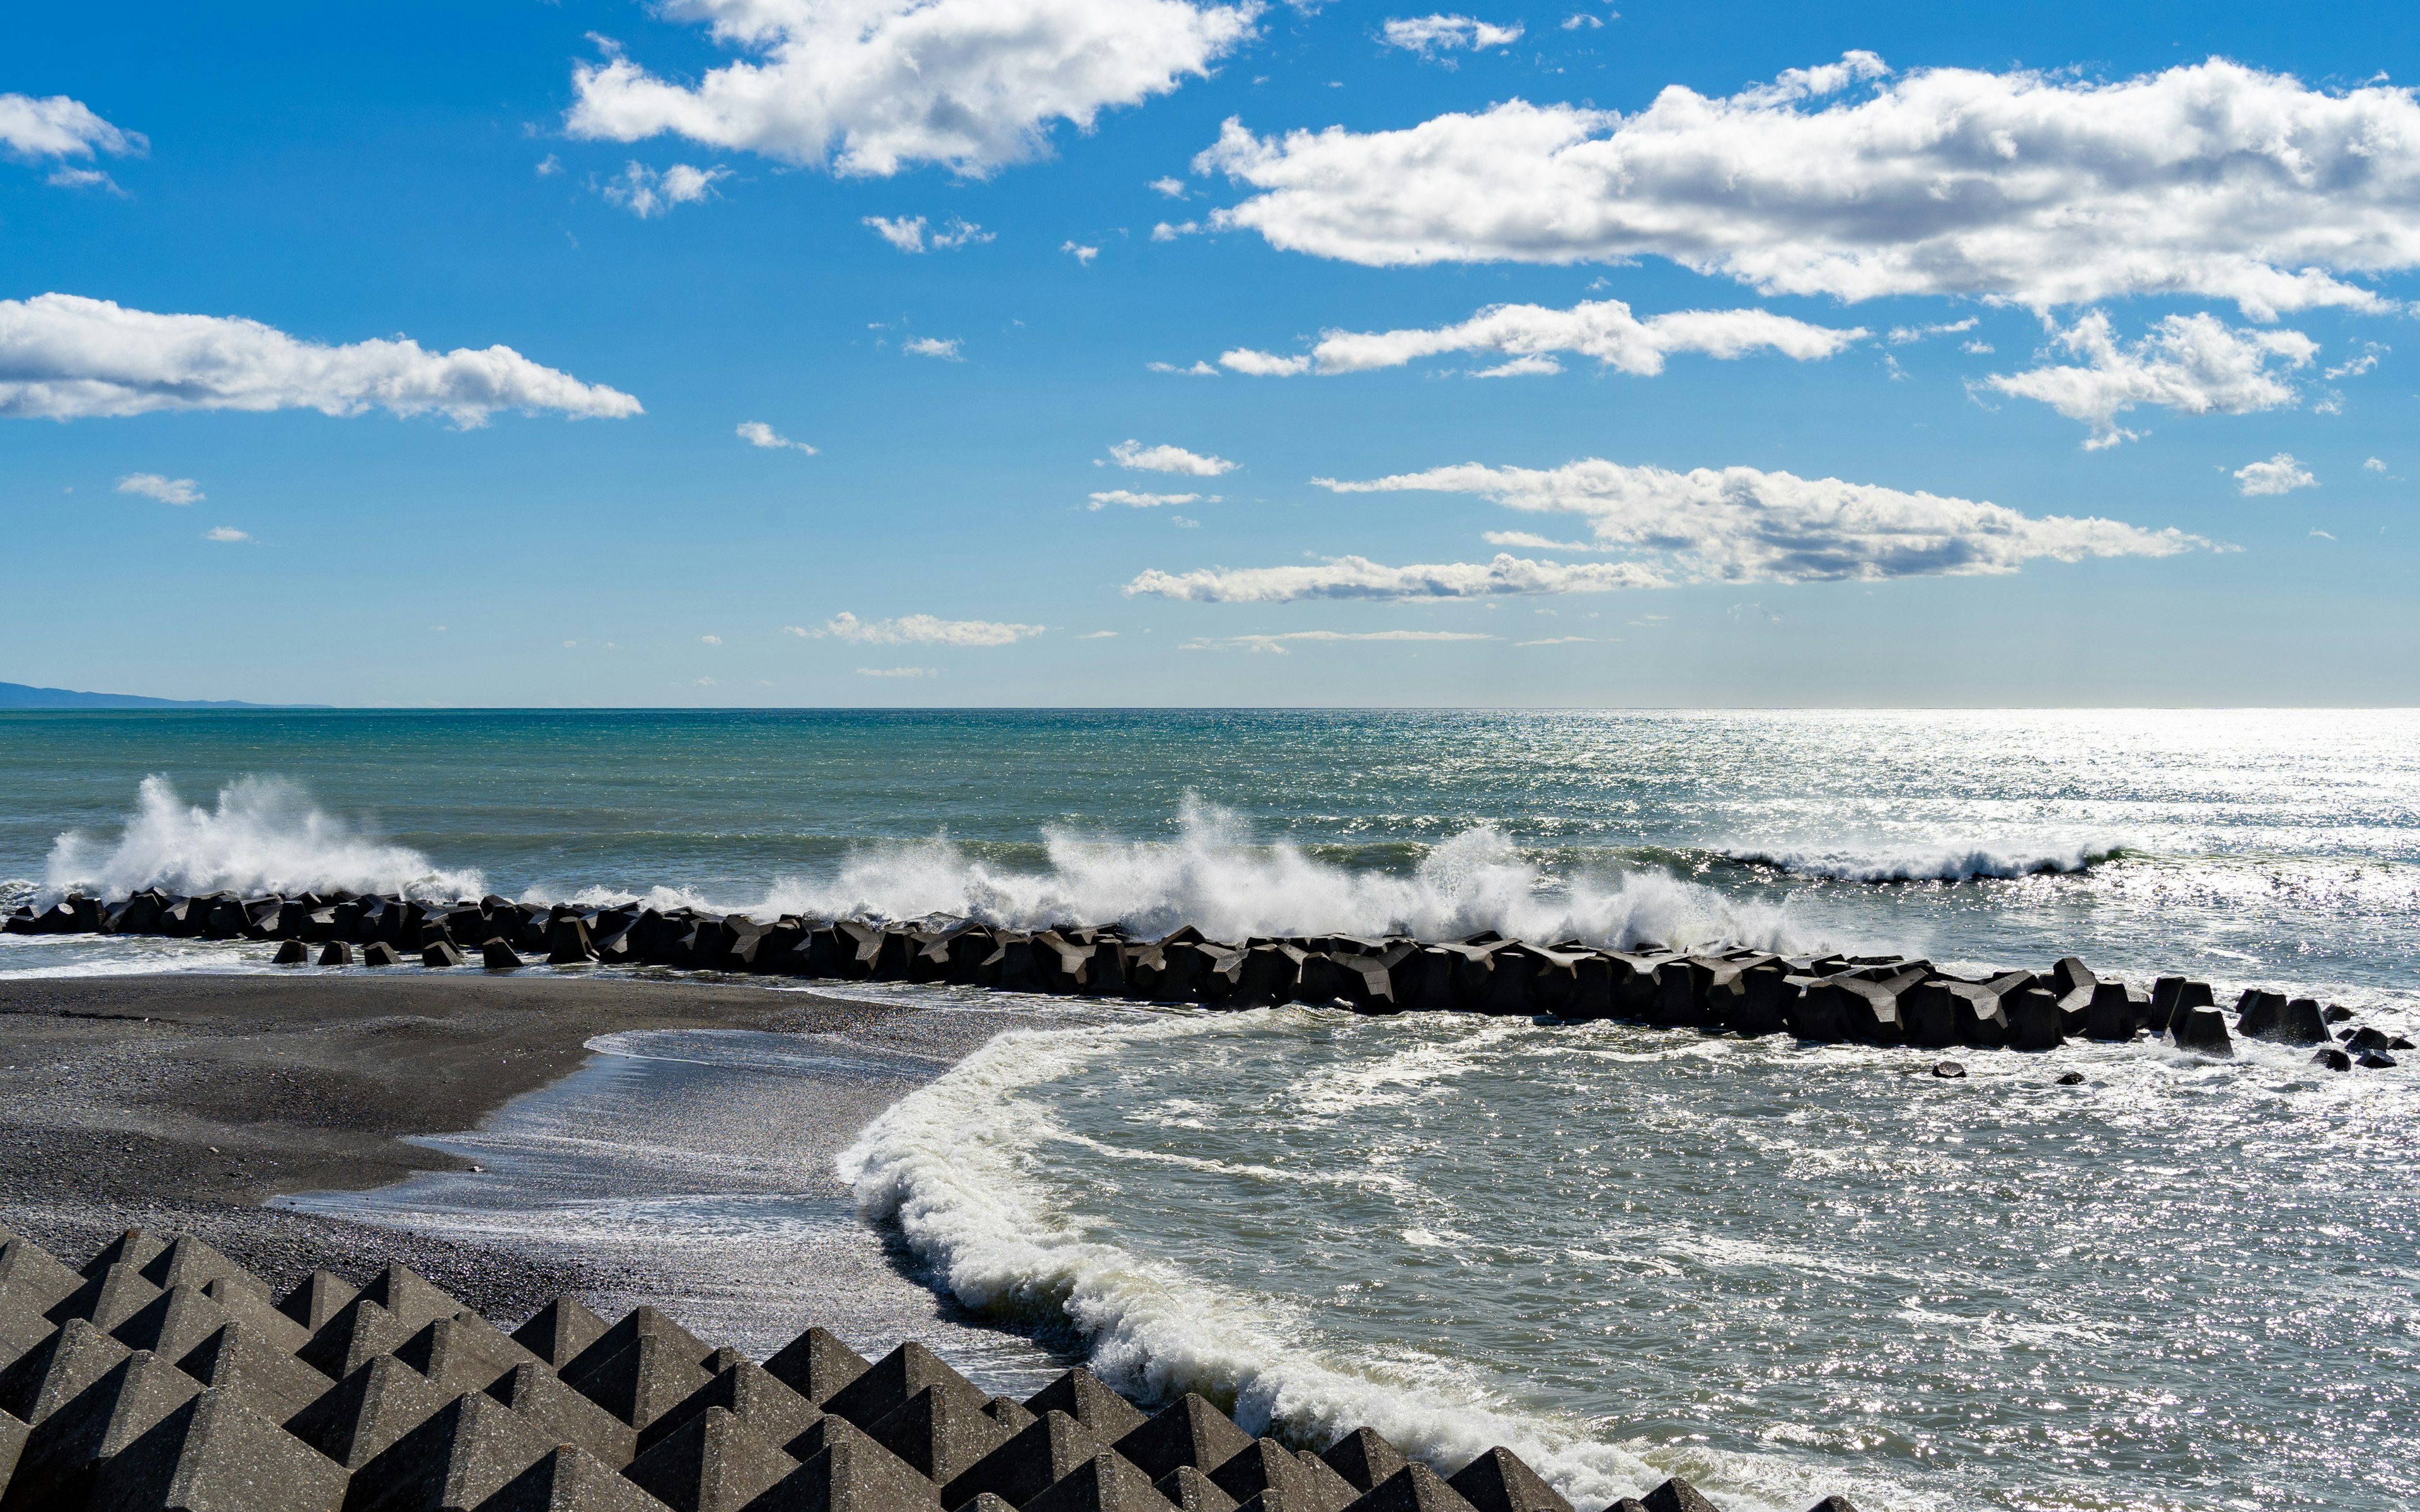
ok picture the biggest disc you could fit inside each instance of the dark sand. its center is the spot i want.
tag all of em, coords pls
(184, 1102)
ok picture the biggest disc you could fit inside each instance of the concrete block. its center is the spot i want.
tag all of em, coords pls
(497, 954)
(1009, 1413)
(214, 1453)
(239, 1363)
(464, 1353)
(257, 1313)
(1089, 1400)
(362, 1332)
(534, 1392)
(1413, 1489)
(1364, 1458)
(557, 1332)
(850, 1473)
(46, 1377)
(356, 1419)
(644, 1380)
(336, 953)
(189, 1262)
(106, 1299)
(817, 1366)
(712, 1464)
(568, 1480)
(1500, 1481)
(887, 1384)
(1188, 1431)
(1269, 1470)
(1105, 1483)
(941, 1431)
(1029, 1463)
(452, 1461)
(292, 953)
(67, 1447)
(638, 1324)
(33, 1279)
(1189, 1491)
(316, 1298)
(173, 1323)
(748, 1392)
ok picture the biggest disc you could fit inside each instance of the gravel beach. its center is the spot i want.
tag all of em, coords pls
(185, 1101)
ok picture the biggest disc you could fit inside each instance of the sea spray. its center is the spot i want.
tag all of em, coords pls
(950, 1165)
(1921, 862)
(265, 836)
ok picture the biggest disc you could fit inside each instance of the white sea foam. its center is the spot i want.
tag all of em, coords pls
(265, 836)
(1931, 863)
(951, 1164)
(1215, 876)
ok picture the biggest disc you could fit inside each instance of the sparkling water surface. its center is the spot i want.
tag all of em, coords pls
(1783, 1269)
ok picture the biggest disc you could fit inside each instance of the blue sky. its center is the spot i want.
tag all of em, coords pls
(2037, 355)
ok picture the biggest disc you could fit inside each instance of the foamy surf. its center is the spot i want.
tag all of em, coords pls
(953, 1163)
(1930, 863)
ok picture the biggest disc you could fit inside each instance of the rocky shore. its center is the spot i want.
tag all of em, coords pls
(160, 1374)
(1886, 1000)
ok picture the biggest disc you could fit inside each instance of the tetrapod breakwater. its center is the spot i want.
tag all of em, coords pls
(1829, 998)
(160, 1375)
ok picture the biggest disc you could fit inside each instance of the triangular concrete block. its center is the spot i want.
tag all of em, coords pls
(214, 1455)
(1678, 1495)
(1188, 1431)
(21, 1332)
(46, 1377)
(1500, 1481)
(316, 1298)
(354, 1420)
(1105, 1483)
(13, 1434)
(414, 1300)
(940, 1432)
(540, 1397)
(887, 1384)
(132, 1249)
(987, 1503)
(815, 1366)
(639, 1323)
(1269, 1469)
(66, 1449)
(173, 1323)
(850, 1473)
(108, 1298)
(1413, 1489)
(460, 1354)
(32, 1278)
(750, 1393)
(570, 1481)
(1009, 1413)
(557, 1332)
(255, 1311)
(1029, 1463)
(642, 1383)
(361, 1333)
(713, 1463)
(189, 1262)
(1088, 1400)
(461, 1455)
(241, 1365)
(1189, 1491)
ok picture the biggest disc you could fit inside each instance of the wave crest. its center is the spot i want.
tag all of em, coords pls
(1938, 863)
(265, 836)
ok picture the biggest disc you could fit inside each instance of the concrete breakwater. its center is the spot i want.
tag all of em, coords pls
(160, 1375)
(1889, 1000)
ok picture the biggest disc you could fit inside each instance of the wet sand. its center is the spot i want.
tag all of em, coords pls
(185, 1101)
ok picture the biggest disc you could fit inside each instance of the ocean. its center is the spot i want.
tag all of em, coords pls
(1781, 1269)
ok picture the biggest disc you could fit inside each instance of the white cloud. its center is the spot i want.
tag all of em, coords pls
(1133, 454)
(872, 87)
(711, 639)
(549, 166)
(1185, 522)
(2190, 362)
(1353, 577)
(2321, 534)
(1979, 348)
(62, 127)
(962, 234)
(2279, 474)
(1603, 329)
(1165, 232)
(1197, 370)
(898, 671)
(1276, 643)
(934, 346)
(1574, 22)
(1428, 35)
(2371, 353)
(225, 532)
(1146, 500)
(64, 357)
(2373, 464)
(1559, 640)
(1098, 635)
(758, 433)
(907, 234)
(1743, 525)
(1172, 187)
(1083, 254)
(644, 193)
(921, 630)
(85, 178)
(165, 489)
(2033, 188)
(1901, 335)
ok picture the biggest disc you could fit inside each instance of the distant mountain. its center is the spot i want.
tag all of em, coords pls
(19, 696)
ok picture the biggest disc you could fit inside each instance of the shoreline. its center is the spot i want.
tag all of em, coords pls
(187, 1101)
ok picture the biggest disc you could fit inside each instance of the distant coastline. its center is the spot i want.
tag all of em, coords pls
(24, 696)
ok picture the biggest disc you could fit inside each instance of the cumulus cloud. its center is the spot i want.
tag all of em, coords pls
(1083, 254)
(1165, 232)
(2031, 188)
(225, 532)
(1197, 370)
(1146, 500)
(2191, 362)
(758, 433)
(64, 357)
(947, 351)
(62, 127)
(710, 640)
(1134, 453)
(2279, 474)
(1172, 187)
(1429, 35)
(872, 87)
(920, 630)
(1603, 329)
(165, 489)
(1353, 576)
(908, 233)
(646, 193)
(1743, 525)
(2372, 465)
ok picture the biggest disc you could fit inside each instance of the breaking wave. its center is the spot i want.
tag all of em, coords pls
(1941, 863)
(265, 836)
(947, 1165)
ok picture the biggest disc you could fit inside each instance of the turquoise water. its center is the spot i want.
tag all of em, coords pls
(1783, 1269)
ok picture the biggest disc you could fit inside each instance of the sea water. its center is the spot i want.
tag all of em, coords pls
(1783, 1269)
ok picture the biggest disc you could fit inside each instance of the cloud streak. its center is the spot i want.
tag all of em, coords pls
(759, 434)
(1429, 35)
(2031, 188)
(1531, 334)
(62, 127)
(874, 86)
(1355, 577)
(1142, 458)
(647, 193)
(64, 357)
(920, 631)
(165, 489)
